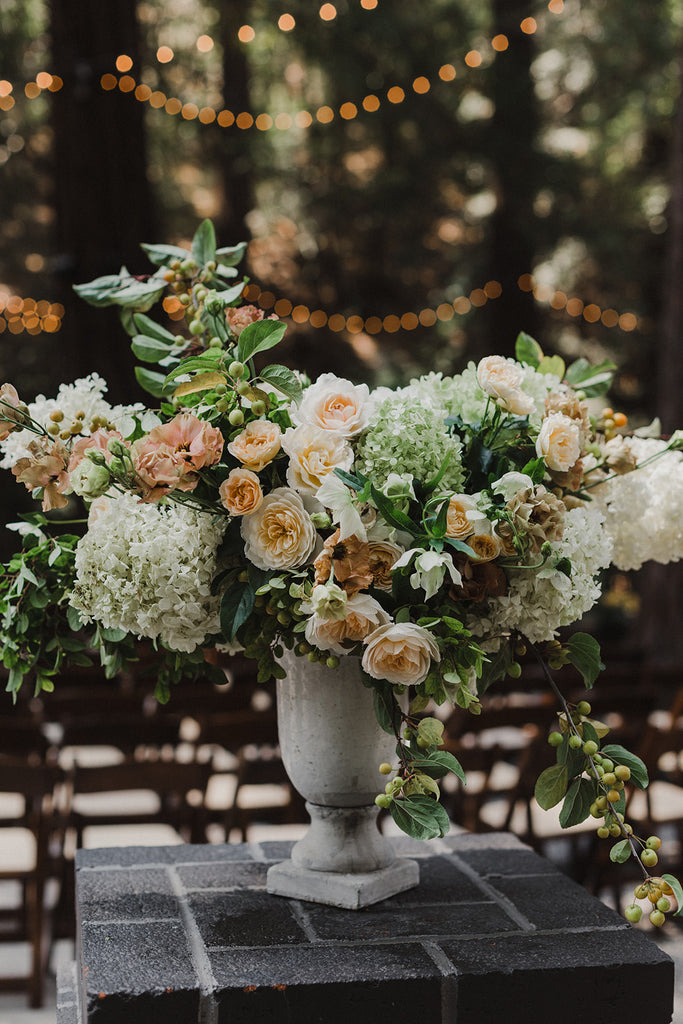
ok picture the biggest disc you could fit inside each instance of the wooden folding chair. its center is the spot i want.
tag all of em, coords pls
(33, 812)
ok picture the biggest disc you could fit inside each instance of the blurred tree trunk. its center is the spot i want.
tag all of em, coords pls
(513, 134)
(102, 197)
(234, 150)
(662, 590)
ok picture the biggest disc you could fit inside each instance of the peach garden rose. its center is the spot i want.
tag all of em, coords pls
(279, 534)
(401, 652)
(333, 403)
(241, 492)
(559, 442)
(257, 445)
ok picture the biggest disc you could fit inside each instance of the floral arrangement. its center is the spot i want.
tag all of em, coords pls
(436, 531)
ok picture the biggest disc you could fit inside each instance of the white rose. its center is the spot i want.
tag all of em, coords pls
(333, 403)
(559, 442)
(363, 615)
(401, 652)
(313, 455)
(279, 534)
(501, 378)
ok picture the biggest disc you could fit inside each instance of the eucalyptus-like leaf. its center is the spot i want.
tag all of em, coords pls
(162, 255)
(151, 381)
(259, 337)
(150, 350)
(204, 243)
(150, 329)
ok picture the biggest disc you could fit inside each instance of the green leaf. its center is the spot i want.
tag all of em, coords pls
(161, 255)
(390, 514)
(593, 380)
(527, 350)
(74, 618)
(151, 381)
(639, 776)
(552, 364)
(678, 891)
(236, 607)
(535, 469)
(584, 654)
(258, 337)
(284, 379)
(577, 803)
(420, 817)
(440, 763)
(152, 330)
(231, 255)
(431, 731)
(551, 786)
(204, 243)
(100, 291)
(620, 852)
(138, 295)
(150, 350)
(387, 711)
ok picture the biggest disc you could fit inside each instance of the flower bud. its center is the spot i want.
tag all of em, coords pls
(96, 455)
(328, 601)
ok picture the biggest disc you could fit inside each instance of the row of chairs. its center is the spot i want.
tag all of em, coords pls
(97, 754)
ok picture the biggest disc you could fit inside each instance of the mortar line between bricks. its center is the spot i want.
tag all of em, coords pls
(498, 897)
(443, 962)
(208, 1005)
(302, 918)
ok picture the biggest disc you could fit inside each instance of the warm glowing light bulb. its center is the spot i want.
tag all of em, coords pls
(164, 54)
(123, 62)
(204, 44)
(529, 26)
(246, 34)
(500, 43)
(286, 23)
(328, 12)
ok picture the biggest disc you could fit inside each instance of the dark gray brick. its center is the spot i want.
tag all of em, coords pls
(440, 882)
(507, 862)
(127, 894)
(556, 903)
(616, 976)
(328, 985)
(235, 875)
(390, 920)
(244, 919)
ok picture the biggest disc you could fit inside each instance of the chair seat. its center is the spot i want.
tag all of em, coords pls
(124, 801)
(17, 852)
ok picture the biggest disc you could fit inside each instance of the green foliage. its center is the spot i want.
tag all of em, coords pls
(583, 652)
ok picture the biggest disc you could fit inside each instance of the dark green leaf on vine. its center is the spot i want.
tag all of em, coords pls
(584, 654)
(620, 852)
(639, 776)
(551, 786)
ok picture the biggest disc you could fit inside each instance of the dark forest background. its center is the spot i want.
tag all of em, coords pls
(526, 138)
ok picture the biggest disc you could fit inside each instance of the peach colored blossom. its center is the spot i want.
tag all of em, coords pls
(333, 403)
(400, 652)
(381, 557)
(9, 401)
(501, 379)
(47, 468)
(313, 455)
(241, 493)
(240, 317)
(461, 516)
(98, 440)
(350, 560)
(363, 614)
(257, 444)
(280, 534)
(171, 455)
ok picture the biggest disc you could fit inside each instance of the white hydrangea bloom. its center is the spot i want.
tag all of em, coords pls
(148, 569)
(84, 395)
(643, 508)
(538, 602)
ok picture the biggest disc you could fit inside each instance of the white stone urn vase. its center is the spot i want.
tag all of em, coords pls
(332, 746)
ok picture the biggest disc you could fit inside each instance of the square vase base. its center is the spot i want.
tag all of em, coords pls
(336, 889)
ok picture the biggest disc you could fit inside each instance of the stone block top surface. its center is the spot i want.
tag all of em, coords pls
(492, 933)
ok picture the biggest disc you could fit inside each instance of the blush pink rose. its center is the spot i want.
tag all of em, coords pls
(171, 455)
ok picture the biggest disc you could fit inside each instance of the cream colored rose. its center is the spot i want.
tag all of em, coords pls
(257, 444)
(559, 442)
(401, 652)
(333, 403)
(462, 516)
(501, 378)
(279, 534)
(241, 493)
(381, 558)
(363, 616)
(313, 455)
(486, 546)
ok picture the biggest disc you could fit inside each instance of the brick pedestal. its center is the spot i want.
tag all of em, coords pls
(492, 933)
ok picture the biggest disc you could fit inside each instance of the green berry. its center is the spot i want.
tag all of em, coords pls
(243, 388)
(514, 670)
(215, 343)
(383, 800)
(423, 743)
(590, 747)
(653, 843)
(258, 407)
(555, 739)
(633, 913)
(583, 707)
(663, 904)
(575, 741)
(196, 327)
(607, 764)
(657, 918)
(332, 661)
(603, 832)
(236, 369)
(649, 858)
(385, 768)
(622, 772)
(236, 418)
(222, 405)
(613, 796)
